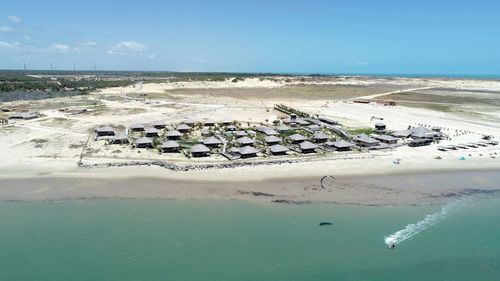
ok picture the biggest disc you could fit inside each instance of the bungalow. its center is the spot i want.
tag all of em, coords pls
(282, 129)
(380, 126)
(420, 142)
(365, 141)
(266, 130)
(104, 131)
(151, 132)
(319, 137)
(158, 125)
(199, 150)
(402, 134)
(137, 128)
(314, 127)
(118, 139)
(212, 142)
(144, 142)
(226, 122)
(272, 140)
(385, 139)
(341, 145)
(245, 141)
(170, 146)
(425, 133)
(209, 123)
(183, 128)
(296, 138)
(278, 149)
(231, 128)
(240, 134)
(248, 151)
(173, 135)
(328, 121)
(307, 147)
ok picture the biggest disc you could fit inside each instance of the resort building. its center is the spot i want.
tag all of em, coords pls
(158, 125)
(296, 138)
(183, 128)
(151, 132)
(240, 134)
(118, 139)
(385, 139)
(144, 142)
(137, 128)
(278, 149)
(341, 145)
(231, 128)
(307, 147)
(212, 142)
(282, 129)
(170, 146)
(380, 126)
(266, 130)
(199, 150)
(420, 142)
(248, 151)
(272, 140)
(244, 141)
(320, 137)
(173, 135)
(104, 131)
(365, 141)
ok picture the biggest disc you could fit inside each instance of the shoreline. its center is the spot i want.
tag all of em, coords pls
(417, 188)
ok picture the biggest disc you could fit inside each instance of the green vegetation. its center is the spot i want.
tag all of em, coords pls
(22, 86)
(357, 131)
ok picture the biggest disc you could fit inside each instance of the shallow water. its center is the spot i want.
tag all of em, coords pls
(234, 240)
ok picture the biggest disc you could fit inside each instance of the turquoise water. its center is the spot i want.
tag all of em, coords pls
(233, 240)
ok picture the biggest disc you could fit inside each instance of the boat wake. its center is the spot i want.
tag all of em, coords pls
(415, 228)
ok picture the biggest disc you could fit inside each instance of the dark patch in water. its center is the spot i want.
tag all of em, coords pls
(325, 223)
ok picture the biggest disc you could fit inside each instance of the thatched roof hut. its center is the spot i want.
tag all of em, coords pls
(199, 150)
(248, 151)
(137, 127)
(212, 141)
(144, 142)
(296, 138)
(307, 147)
(278, 149)
(170, 146)
(173, 135)
(246, 141)
(271, 140)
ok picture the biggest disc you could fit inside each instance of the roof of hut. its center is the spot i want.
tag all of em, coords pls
(199, 148)
(170, 144)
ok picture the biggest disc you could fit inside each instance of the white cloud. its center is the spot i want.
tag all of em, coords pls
(203, 60)
(27, 37)
(61, 48)
(358, 64)
(5, 45)
(80, 47)
(128, 47)
(152, 56)
(14, 18)
(6, 29)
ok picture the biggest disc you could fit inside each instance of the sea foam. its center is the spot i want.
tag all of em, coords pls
(432, 219)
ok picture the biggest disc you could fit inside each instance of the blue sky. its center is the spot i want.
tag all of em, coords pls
(422, 37)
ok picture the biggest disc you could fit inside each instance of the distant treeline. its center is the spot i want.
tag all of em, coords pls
(37, 95)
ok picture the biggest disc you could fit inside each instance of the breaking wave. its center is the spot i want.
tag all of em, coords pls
(415, 228)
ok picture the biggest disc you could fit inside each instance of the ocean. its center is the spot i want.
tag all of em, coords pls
(235, 240)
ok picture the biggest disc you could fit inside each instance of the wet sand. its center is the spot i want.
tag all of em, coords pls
(405, 189)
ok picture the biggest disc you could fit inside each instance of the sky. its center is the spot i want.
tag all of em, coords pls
(336, 36)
